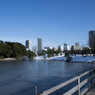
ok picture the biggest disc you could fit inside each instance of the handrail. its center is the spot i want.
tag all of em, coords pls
(77, 87)
(59, 86)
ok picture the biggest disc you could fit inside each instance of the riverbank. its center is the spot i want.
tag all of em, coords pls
(55, 58)
(77, 58)
(81, 59)
(7, 59)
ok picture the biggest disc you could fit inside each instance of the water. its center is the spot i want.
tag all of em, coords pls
(21, 77)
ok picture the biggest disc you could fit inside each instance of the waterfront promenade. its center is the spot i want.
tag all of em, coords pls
(91, 91)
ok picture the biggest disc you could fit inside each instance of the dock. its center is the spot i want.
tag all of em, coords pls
(87, 84)
(91, 91)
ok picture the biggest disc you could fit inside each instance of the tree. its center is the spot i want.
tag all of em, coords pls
(50, 53)
(67, 54)
(57, 52)
(1, 42)
(93, 49)
(30, 54)
(8, 51)
(12, 49)
(19, 50)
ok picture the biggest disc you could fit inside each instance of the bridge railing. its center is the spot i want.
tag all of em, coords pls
(77, 88)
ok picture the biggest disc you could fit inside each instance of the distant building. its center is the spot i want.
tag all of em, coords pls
(34, 49)
(28, 44)
(91, 38)
(54, 48)
(66, 46)
(60, 47)
(39, 45)
(77, 44)
(51, 48)
(47, 48)
(76, 48)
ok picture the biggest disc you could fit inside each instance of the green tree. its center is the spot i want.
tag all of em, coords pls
(19, 50)
(15, 50)
(30, 54)
(50, 53)
(1, 42)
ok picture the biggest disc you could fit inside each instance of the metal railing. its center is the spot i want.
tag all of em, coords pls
(77, 88)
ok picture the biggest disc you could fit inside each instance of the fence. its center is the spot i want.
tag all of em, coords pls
(80, 84)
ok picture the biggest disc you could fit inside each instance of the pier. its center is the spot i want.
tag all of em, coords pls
(85, 83)
(91, 91)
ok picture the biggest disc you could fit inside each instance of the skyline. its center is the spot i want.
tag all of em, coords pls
(55, 21)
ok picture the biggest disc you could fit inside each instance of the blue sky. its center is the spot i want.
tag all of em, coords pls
(55, 21)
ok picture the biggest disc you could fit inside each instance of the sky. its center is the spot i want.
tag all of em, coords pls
(55, 21)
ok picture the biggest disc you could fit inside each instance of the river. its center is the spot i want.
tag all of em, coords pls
(21, 77)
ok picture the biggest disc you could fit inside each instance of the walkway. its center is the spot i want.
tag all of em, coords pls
(91, 91)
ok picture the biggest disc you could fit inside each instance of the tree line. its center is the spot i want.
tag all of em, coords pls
(14, 50)
(84, 52)
(51, 53)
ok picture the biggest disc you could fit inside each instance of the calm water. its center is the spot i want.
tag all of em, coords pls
(21, 77)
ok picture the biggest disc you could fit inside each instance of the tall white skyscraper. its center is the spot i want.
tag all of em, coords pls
(66, 46)
(39, 45)
(28, 44)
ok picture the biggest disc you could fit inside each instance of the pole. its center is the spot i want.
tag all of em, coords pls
(79, 85)
(35, 90)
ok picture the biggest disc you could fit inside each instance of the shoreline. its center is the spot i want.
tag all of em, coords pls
(8, 59)
(81, 59)
(77, 59)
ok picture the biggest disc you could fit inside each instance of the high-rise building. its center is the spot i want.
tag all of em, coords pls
(39, 45)
(66, 46)
(77, 44)
(28, 44)
(91, 38)
(60, 47)
(34, 49)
